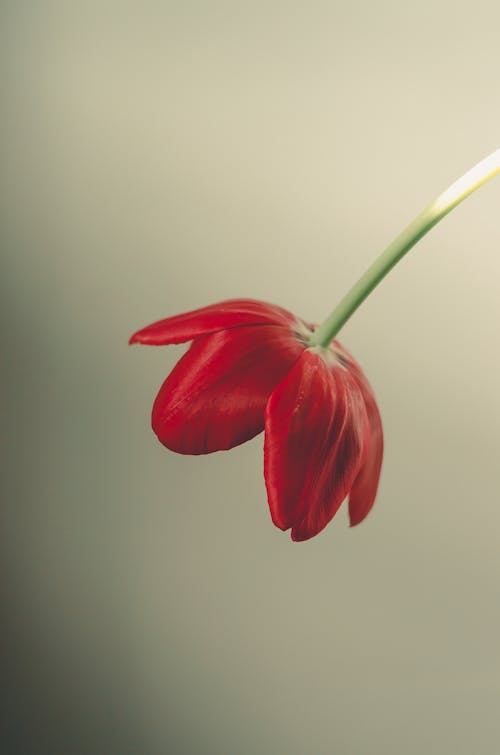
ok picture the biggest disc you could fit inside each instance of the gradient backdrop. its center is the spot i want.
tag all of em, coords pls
(159, 156)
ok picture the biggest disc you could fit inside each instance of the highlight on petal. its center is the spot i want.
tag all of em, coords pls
(232, 313)
(215, 396)
(316, 429)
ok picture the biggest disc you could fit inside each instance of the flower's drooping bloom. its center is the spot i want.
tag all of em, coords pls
(249, 369)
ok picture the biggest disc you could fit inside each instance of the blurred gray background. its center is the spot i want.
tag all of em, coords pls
(157, 157)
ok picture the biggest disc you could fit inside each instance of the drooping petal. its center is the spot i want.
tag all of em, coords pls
(316, 425)
(215, 397)
(364, 489)
(227, 314)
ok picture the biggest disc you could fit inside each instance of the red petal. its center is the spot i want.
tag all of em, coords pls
(364, 489)
(215, 397)
(227, 314)
(315, 428)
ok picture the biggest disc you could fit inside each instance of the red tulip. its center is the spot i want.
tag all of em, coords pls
(250, 369)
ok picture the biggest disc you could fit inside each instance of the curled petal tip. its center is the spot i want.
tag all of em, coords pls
(145, 336)
(354, 522)
(296, 538)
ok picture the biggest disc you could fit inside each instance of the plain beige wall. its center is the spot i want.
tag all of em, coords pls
(162, 156)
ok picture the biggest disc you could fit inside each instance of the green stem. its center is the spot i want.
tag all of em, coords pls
(433, 213)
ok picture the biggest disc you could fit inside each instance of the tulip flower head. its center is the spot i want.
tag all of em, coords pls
(255, 367)
(250, 368)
